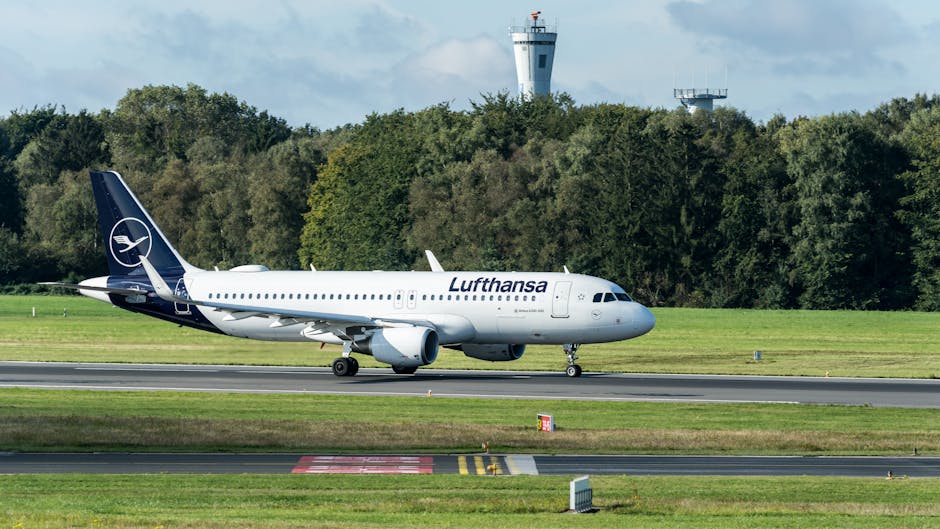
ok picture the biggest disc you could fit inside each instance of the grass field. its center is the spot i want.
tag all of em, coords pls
(168, 501)
(841, 343)
(48, 420)
(685, 340)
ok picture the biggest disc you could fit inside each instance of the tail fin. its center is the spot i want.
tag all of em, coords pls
(129, 231)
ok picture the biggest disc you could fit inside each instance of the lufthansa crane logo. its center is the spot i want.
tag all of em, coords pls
(130, 234)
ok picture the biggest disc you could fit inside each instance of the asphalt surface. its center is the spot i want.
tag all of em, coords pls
(479, 384)
(122, 463)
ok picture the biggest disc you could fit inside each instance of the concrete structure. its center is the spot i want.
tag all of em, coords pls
(534, 47)
(696, 99)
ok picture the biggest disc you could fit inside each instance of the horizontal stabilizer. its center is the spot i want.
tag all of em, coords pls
(109, 290)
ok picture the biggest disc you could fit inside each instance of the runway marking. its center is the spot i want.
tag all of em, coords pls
(385, 393)
(364, 465)
(147, 369)
(522, 464)
(480, 467)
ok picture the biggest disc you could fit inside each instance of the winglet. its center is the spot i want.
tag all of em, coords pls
(566, 269)
(159, 285)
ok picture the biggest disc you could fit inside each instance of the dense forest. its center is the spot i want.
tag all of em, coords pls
(712, 210)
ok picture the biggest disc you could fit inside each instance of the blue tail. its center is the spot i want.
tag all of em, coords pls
(130, 232)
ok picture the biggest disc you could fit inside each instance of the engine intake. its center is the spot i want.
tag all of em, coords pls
(494, 352)
(400, 346)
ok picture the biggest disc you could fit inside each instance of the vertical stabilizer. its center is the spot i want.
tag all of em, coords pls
(129, 232)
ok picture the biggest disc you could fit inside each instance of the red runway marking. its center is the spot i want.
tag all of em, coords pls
(364, 465)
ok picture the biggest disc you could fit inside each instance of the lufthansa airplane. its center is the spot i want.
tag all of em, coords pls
(399, 318)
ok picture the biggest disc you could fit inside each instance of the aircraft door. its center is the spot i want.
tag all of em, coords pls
(399, 299)
(560, 299)
(181, 309)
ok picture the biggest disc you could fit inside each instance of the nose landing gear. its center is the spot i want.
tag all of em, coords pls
(571, 350)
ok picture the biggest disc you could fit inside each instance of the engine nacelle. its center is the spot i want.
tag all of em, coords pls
(400, 346)
(494, 352)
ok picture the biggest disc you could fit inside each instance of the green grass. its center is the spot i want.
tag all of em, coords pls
(49, 420)
(284, 501)
(841, 343)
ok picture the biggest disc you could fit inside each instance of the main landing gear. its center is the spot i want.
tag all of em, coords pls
(571, 350)
(345, 366)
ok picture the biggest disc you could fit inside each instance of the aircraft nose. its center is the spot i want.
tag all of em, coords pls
(643, 320)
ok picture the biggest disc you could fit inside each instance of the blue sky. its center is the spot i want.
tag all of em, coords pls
(329, 62)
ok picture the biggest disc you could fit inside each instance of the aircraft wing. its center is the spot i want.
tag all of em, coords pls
(325, 321)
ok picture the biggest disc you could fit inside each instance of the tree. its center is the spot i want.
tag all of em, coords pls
(276, 186)
(849, 246)
(751, 261)
(921, 207)
(359, 203)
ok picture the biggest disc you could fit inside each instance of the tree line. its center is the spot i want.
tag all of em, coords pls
(705, 209)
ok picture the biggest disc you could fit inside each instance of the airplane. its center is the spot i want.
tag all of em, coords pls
(399, 318)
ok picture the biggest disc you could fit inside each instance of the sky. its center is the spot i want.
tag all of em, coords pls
(332, 62)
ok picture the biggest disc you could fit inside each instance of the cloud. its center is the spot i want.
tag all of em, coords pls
(381, 30)
(836, 37)
(453, 70)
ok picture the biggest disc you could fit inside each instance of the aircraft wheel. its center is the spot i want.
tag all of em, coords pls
(353, 366)
(574, 370)
(342, 367)
(402, 370)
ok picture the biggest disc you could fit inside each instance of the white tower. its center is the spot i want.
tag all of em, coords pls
(534, 46)
(696, 99)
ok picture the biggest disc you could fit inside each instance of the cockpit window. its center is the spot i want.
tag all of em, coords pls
(608, 297)
(598, 297)
(622, 297)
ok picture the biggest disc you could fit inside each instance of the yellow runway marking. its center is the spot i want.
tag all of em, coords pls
(481, 467)
(462, 465)
(494, 462)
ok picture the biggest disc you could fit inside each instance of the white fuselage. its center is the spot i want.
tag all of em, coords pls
(464, 307)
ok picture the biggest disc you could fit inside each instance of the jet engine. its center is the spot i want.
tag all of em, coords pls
(493, 352)
(400, 346)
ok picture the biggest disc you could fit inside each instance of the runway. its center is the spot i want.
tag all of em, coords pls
(921, 393)
(476, 464)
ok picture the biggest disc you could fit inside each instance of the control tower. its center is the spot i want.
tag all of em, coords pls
(696, 99)
(534, 47)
